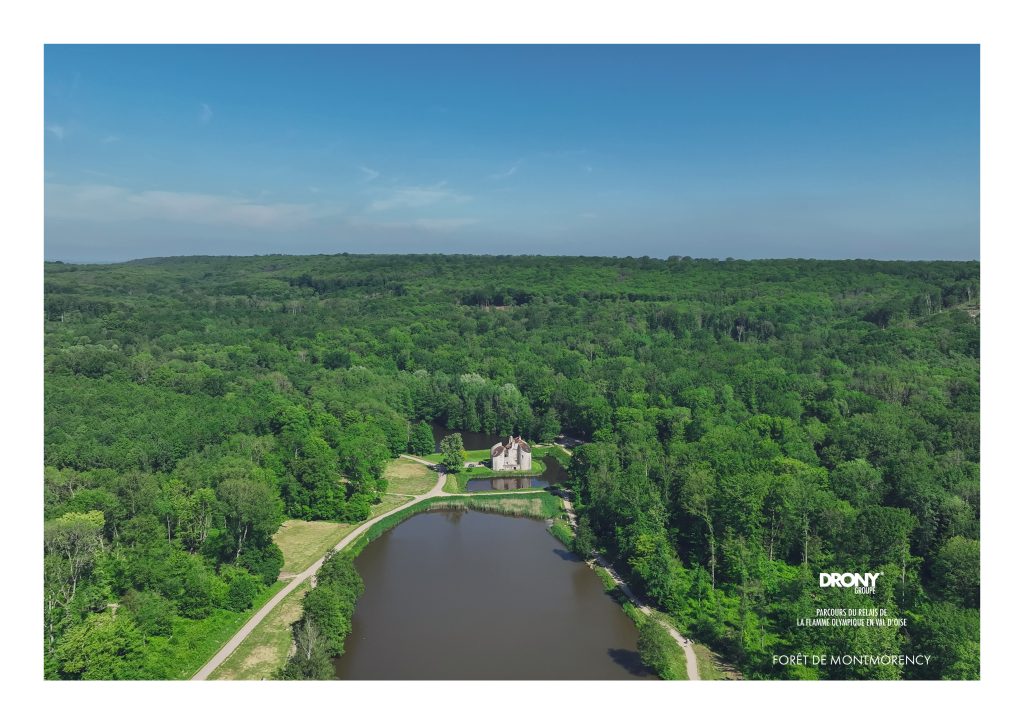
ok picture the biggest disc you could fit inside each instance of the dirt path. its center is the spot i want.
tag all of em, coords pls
(428, 463)
(692, 672)
(247, 628)
(416, 459)
(436, 492)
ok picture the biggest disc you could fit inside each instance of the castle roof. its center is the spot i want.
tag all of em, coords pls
(516, 441)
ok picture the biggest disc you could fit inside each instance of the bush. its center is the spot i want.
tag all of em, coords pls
(265, 563)
(421, 441)
(356, 509)
(311, 660)
(103, 647)
(584, 542)
(152, 613)
(201, 591)
(561, 530)
(331, 604)
(242, 588)
(659, 651)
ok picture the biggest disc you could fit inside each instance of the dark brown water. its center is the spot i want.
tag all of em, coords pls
(511, 483)
(553, 473)
(470, 440)
(468, 595)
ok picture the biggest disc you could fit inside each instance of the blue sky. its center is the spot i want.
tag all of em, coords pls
(708, 151)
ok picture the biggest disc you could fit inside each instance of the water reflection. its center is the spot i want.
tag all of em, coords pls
(478, 596)
(629, 660)
(566, 555)
(521, 483)
(470, 440)
(554, 474)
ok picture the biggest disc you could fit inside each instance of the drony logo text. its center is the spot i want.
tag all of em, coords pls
(860, 582)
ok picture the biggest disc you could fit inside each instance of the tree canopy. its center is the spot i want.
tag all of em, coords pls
(747, 424)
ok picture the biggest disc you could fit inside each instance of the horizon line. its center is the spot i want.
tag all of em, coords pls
(670, 257)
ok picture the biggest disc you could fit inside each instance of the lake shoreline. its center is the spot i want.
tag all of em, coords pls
(421, 605)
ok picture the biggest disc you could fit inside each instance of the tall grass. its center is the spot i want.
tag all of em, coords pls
(561, 530)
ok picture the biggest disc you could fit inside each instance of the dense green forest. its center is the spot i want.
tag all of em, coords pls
(748, 424)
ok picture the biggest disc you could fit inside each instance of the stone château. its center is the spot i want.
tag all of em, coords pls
(512, 455)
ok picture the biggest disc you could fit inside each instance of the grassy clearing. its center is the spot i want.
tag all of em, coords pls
(555, 451)
(452, 484)
(472, 456)
(304, 542)
(266, 649)
(407, 477)
(387, 502)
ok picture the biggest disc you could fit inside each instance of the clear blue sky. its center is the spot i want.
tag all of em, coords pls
(707, 151)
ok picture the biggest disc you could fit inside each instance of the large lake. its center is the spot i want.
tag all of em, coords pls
(469, 595)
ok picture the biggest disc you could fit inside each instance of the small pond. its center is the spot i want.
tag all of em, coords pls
(553, 474)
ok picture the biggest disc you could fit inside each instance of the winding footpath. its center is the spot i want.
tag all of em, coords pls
(436, 492)
(692, 672)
